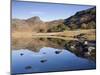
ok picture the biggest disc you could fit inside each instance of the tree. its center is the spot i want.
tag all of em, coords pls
(41, 30)
(73, 26)
(84, 26)
(91, 25)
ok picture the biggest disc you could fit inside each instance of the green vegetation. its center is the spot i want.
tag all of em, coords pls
(90, 25)
(58, 28)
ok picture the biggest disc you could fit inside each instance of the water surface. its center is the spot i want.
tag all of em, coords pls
(47, 55)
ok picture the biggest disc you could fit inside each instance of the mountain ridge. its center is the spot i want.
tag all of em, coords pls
(85, 19)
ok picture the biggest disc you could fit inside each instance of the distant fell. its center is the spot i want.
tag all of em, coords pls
(85, 19)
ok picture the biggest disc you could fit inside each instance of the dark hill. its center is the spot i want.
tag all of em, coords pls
(85, 19)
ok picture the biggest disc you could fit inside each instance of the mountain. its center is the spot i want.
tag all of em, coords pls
(32, 24)
(19, 25)
(34, 20)
(85, 19)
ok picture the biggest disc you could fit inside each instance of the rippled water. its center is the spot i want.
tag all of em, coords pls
(48, 59)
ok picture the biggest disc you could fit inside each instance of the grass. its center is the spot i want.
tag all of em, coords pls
(68, 35)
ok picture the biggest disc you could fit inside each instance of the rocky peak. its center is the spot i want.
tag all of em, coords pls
(34, 19)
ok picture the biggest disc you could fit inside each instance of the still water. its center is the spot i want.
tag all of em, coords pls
(48, 59)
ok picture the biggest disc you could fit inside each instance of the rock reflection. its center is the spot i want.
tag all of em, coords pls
(81, 48)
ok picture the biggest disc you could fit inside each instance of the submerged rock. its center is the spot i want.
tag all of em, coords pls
(21, 54)
(57, 52)
(43, 60)
(44, 52)
(28, 67)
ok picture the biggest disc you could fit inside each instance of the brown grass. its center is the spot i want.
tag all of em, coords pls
(90, 34)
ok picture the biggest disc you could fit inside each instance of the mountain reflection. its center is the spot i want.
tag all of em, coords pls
(79, 48)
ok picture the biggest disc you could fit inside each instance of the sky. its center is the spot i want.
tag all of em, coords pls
(46, 11)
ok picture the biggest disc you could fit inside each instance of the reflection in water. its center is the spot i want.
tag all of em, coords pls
(74, 46)
(32, 62)
(36, 43)
(43, 54)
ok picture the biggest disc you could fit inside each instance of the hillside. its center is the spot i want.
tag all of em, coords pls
(85, 19)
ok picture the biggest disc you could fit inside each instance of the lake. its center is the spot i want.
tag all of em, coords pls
(47, 55)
